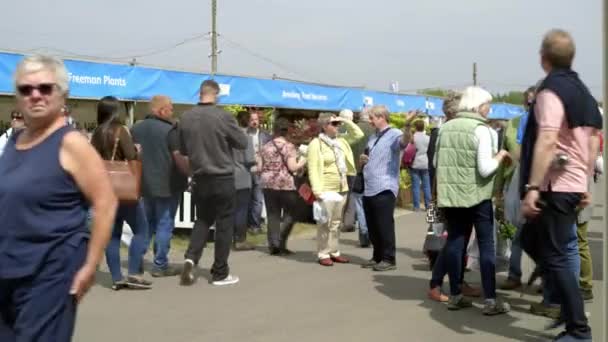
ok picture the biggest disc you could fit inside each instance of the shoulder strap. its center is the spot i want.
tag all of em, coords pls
(280, 154)
(378, 139)
(116, 140)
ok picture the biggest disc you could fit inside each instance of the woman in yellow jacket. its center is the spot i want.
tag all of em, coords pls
(330, 160)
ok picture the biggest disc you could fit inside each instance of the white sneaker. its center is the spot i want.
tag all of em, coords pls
(229, 280)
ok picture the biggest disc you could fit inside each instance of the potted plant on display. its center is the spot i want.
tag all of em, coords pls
(303, 131)
(404, 199)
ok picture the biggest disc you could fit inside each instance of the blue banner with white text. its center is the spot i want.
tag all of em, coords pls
(94, 80)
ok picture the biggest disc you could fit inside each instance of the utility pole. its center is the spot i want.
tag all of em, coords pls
(213, 37)
(474, 74)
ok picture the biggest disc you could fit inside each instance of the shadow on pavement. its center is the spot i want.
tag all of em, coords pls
(464, 322)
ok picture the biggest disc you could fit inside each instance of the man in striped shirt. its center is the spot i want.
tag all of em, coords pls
(381, 175)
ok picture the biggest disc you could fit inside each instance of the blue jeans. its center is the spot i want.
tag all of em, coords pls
(360, 213)
(417, 176)
(460, 222)
(136, 218)
(160, 212)
(550, 297)
(256, 205)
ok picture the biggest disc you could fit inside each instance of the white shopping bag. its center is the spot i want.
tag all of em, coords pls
(319, 212)
(473, 254)
(127, 234)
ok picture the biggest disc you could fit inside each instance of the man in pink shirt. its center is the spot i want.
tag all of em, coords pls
(558, 151)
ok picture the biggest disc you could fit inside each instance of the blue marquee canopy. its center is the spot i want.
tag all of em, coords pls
(95, 80)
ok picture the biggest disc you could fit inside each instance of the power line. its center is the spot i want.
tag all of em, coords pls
(170, 47)
(264, 58)
(148, 53)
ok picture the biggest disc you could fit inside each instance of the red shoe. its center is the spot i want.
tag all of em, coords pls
(436, 295)
(340, 259)
(326, 262)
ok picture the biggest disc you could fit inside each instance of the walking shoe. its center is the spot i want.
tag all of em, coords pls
(587, 294)
(459, 302)
(540, 309)
(274, 250)
(369, 263)
(511, 284)
(436, 295)
(119, 285)
(243, 246)
(470, 291)
(326, 262)
(340, 259)
(495, 307)
(384, 266)
(167, 272)
(187, 277)
(138, 283)
(229, 280)
(564, 337)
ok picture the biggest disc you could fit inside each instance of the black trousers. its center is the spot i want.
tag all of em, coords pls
(215, 199)
(379, 210)
(279, 207)
(545, 239)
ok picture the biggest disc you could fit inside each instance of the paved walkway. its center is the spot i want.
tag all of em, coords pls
(294, 299)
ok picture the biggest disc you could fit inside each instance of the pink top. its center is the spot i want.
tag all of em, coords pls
(574, 143)
(274, 173)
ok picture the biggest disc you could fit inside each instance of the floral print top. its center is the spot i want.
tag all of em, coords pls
(274, 174)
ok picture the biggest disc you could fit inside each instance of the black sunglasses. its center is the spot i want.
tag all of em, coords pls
(44, 89)
(335, 123)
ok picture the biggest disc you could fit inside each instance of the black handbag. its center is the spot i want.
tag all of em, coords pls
(433, 244)
(358, 183)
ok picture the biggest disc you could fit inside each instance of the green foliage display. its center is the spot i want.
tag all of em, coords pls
(233, 108)
(405, 181)
(507, 230)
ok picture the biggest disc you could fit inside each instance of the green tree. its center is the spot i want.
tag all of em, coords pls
(511, 97)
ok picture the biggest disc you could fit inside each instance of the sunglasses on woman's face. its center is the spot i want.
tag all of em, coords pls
(43, 88)
(17, 117)
(335, 123)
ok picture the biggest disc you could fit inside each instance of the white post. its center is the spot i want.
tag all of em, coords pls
(131, 113)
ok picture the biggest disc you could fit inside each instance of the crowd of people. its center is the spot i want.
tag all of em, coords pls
(60, 218)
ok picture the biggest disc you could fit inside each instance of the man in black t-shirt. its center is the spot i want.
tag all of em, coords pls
(159, 198)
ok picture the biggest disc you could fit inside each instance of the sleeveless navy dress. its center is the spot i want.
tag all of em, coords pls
(43, 241)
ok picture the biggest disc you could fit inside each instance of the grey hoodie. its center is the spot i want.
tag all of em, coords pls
(243, 161)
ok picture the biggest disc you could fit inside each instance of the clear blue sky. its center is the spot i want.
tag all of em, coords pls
(421, 44)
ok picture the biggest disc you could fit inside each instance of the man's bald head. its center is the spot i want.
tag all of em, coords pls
(557, 50)
(160, 105)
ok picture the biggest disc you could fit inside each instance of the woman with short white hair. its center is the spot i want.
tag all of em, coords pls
(50, 174)
(466, 160)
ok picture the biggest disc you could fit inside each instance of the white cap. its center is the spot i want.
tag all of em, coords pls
(347, 114)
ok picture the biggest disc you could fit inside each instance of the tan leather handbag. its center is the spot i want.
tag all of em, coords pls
(125, 176)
